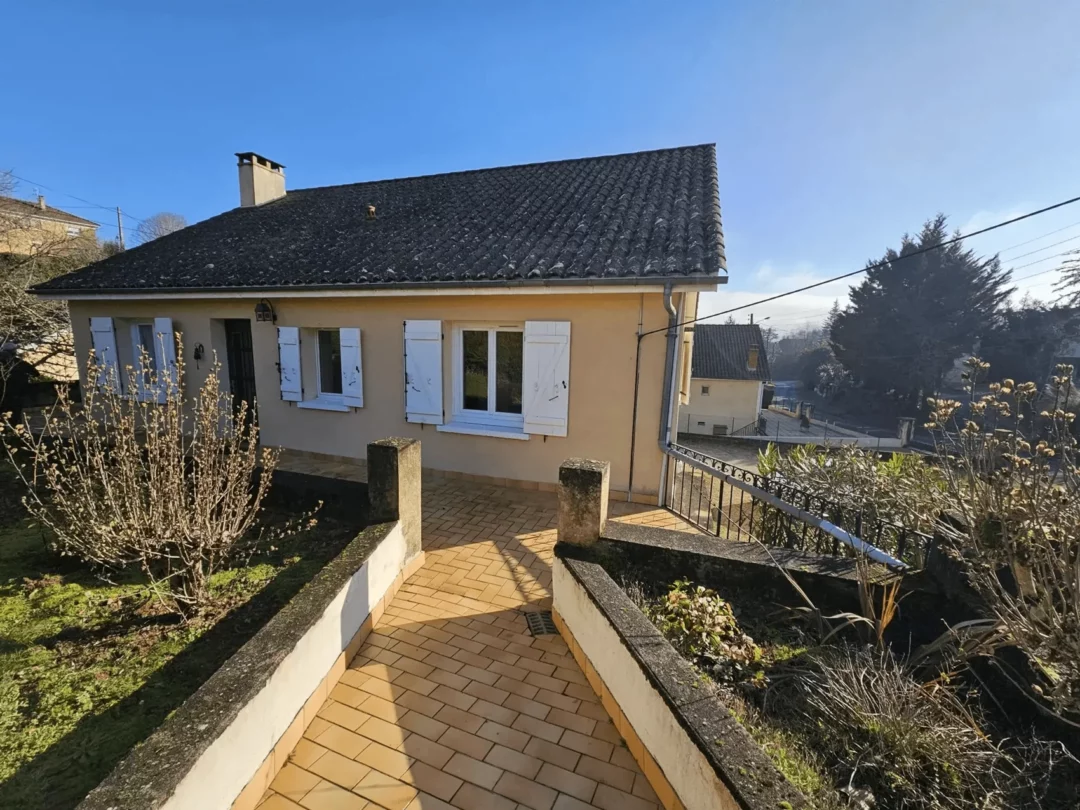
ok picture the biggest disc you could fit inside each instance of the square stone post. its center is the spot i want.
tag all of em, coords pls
(393, 468)
(583, 500)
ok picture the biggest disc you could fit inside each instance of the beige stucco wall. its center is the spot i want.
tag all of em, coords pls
(729, 402)
(24, 235)
(602, 348)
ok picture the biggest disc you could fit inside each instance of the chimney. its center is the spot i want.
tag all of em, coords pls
(261, 179)
(751, 360)
(41, 202)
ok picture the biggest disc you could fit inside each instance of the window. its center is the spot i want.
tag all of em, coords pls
(142, 340)
(488, 371)
(73, 231)
(704, 390)
(329, 351)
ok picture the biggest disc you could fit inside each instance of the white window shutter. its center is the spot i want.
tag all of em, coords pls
(103, 337)
(288, 340)
(423, 372)
(352, 373)
(165, 355)
(546, 377)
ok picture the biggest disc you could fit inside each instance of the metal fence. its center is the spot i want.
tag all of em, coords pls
(738, 504)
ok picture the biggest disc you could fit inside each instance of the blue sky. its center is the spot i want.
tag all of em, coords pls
(839, 125)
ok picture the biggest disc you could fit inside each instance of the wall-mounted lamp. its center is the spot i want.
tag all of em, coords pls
(198, 353)
(264, 311)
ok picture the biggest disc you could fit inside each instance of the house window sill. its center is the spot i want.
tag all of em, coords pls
(322, 404)
(481, 430)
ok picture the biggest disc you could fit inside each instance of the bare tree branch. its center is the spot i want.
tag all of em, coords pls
(159, 225)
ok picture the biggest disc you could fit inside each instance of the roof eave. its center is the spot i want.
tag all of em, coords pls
(699, 281)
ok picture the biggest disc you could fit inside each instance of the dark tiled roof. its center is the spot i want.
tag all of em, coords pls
(721, 351)
(26, 208)
(647, 215)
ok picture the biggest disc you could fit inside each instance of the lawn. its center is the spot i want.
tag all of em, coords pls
(87, 670)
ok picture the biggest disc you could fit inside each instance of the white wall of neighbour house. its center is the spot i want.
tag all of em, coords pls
(602, 345)
(731, 403)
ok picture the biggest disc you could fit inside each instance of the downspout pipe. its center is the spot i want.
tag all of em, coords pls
(669, 386)
(665, 404)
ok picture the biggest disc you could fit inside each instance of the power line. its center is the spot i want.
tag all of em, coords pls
(1037, 238)
(110, 208)
(875, 266)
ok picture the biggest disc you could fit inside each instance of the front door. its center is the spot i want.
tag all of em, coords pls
(241, 361)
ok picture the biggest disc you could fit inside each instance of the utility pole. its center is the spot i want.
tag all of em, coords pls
(120, 227)
(751, 318)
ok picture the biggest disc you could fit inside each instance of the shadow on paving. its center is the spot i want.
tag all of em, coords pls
(59, 777)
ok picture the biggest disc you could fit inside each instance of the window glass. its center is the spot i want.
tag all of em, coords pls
(329, 361)
(508, 350)
(474, 348)
(146, 341)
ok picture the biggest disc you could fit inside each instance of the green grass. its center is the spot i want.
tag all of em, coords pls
(87, 670)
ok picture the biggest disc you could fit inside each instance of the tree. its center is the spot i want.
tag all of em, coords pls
(159, 225)
(913, 315)
(1024, 344)
(40, 328)
(1069, 283)
(785, 363)
(159, 484)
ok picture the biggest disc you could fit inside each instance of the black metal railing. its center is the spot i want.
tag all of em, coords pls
(728, 501)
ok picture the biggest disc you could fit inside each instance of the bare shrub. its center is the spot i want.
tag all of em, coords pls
(1015, 488)
(144, 479)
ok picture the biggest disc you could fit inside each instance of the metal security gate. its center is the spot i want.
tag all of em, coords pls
(241, 360)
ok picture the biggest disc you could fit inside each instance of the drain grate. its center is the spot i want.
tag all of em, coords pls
(540, 623)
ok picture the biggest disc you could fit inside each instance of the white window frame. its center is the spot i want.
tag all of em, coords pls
(504, 422)
(323, 400)
(329, 396)
(142, 390)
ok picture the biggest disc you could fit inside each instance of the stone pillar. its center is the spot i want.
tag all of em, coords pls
(583, 500)
(393, 468)
(798, 409)
(808, 410)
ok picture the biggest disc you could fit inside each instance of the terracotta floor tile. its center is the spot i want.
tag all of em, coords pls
(421, 748)
(293, 782)
(466, 743)
(449, 684)
(343, 741)
(386, 760)
(431, 780)
(275, 801)
(473, 770)
(328, 796)
(471, 797)
(386, 791)
(338, 769)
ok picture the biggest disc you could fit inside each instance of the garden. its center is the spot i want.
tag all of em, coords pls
(139, 549)
(953, 686)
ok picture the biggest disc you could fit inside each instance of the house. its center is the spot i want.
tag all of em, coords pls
(722, 393)
(495, 314)
(27, 227)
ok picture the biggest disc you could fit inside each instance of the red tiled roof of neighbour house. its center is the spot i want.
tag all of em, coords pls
(640, 217)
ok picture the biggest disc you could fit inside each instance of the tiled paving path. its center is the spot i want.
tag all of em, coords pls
(451, 704)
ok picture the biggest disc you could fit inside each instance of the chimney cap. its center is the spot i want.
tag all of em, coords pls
(255, 157)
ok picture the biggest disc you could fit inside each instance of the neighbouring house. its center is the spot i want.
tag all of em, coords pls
(28, 227)
(495, 314)
(722, 393)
